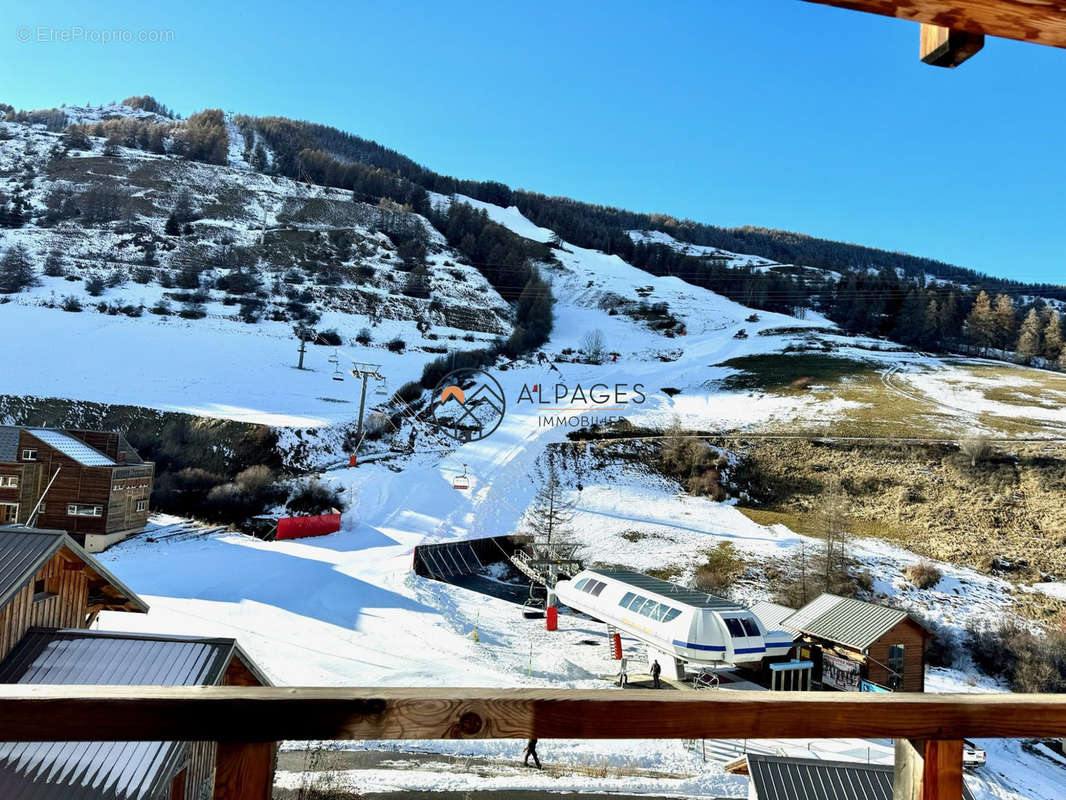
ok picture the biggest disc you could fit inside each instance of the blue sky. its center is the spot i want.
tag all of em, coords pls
(776, 113)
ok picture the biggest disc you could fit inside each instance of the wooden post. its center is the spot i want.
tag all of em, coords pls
(947, 47)
(929, 769)
(244, 771)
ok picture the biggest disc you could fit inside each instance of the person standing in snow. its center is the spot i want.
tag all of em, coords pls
(655, 670)
(531, 750)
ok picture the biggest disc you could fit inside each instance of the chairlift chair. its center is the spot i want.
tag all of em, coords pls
(337, 374)
(461, 481)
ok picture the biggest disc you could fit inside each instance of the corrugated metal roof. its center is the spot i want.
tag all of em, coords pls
(782, 778)
(846, 621)
(22, 552)
(74, 448)
(9, 443)
(812, 610)
(102, 770)
(681, 594)
(772, 616)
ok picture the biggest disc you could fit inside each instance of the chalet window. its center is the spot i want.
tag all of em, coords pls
(9, 481)
(142, 505)
(29, 454)
(42, 589)
(895, 658)
(78, 510)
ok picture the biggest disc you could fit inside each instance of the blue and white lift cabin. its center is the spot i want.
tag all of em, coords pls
(679, 625)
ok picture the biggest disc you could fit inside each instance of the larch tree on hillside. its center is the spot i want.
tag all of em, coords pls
(1053, 337)
(1003, 320)
(1029, 337)
(551, 516)
(980, 323)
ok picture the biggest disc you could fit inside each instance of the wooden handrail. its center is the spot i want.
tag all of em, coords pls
(1041, 21)
(270, 714)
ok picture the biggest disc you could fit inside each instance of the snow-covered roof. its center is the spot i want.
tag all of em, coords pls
(74, 448)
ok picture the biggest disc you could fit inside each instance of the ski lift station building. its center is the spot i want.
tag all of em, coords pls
(679, 625)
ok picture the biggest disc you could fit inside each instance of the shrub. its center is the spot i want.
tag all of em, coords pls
(976, 447)
(1028, 661)
(409, 392)
(330, 337)
(594, 346)
(364, 337)
(924, 574)
(396, 345)
(717, 575)
(95, 285)
(314, 498)
(71, 303)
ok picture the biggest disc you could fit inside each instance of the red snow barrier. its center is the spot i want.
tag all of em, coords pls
(616, 642)
(551, 618)
(299, 527)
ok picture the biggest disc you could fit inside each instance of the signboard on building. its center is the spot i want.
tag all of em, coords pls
(841, 673)
(867, 686)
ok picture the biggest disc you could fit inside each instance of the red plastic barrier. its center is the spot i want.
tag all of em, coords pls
(616, 641)
(552, 618)
(353, 460)
(299, 527)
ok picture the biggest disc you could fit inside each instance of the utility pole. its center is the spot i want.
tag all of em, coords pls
(364, 372)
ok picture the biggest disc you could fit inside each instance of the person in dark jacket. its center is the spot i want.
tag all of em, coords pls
(655, 671)
(531, 750)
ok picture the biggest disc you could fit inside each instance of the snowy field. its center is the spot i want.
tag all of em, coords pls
(346, 609)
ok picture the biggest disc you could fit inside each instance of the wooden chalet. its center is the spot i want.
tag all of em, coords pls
(51, 591)
(858, 646)
(48, 580)
(91, 484)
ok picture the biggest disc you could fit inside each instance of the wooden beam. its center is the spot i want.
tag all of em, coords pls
(269, 714)
(928, 770)
(1039, 21)
(244, 771)
(944, 47)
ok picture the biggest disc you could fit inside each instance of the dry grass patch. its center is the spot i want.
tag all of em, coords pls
(924, 575)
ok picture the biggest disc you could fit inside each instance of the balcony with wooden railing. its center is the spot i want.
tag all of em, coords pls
(248, 722)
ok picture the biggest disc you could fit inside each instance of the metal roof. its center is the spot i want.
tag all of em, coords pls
(772, 616)
(782, 778)
(24, 550)
(102, 770)
(22, 553)
(74, 448)
(673, 591)
(846, 621)
(9, 443)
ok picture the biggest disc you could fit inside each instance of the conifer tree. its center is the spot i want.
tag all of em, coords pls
(1053, 337)
(1029, 337)
(1003, 319)
(16, 270)
(980, 324)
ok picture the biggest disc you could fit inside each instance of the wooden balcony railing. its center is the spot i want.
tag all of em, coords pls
(248, 721)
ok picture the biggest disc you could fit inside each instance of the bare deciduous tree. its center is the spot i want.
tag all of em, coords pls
(594, 346)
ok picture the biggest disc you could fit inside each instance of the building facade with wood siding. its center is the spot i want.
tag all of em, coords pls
(859, 646)
(91, 484)
(51, 591)
(48, 580)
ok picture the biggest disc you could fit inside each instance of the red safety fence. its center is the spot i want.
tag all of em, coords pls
(552, 618)
(299, 527)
